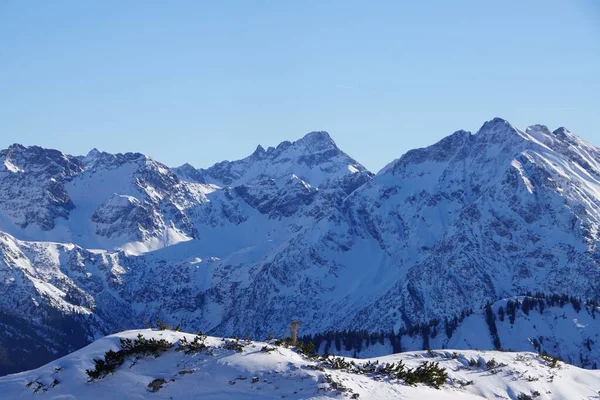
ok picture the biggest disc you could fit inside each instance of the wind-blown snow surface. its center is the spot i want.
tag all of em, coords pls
(298, 231)
(223, 374)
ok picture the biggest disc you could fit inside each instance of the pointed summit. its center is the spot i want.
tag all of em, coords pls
(16, 147)
(562, 133)
(189, 173)
(498, 131)
(495, 125)
(93, 152)
(316, 141)
(259, 152)
(538, 128)
(94, 156)
(36, 158)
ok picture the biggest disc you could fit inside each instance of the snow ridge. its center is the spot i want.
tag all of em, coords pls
(264, 370)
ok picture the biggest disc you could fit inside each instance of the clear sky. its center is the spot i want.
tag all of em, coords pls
(199, 81)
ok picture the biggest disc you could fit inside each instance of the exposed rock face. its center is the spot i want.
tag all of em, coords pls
(32, 185)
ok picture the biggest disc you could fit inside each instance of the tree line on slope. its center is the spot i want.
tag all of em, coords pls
(357, 341)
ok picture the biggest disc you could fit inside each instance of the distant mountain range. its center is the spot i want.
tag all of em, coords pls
(91, 245)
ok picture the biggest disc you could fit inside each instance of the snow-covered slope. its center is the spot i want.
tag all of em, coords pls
(559, 326)
(299, 231)
(263, 371)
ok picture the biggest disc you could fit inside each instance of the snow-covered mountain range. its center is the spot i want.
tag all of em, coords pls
(90, 245)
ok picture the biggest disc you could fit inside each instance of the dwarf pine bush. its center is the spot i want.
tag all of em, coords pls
(196, 345)
(138, 347)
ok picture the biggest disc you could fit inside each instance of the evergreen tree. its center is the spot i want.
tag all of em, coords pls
(501, 314)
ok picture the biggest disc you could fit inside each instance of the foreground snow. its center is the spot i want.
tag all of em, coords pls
(217, 373)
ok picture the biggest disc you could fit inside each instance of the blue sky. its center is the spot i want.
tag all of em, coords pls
(199, 82)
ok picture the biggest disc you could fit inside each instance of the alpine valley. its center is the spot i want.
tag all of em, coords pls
(486, 240)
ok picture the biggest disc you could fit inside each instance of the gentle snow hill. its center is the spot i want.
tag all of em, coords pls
(218, 373)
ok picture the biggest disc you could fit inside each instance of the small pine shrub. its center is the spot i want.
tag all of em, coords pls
(525, 396)
(285, 342)
(337, 363)
(138, 347)
(369, 367)
(308, 349)
(267, 349)
(428, 373)
(108, 365)
(393, 370)
(551, 360)
(145, 347)
(474, 363)
(162, 326)
(196, 345)
(234, 345)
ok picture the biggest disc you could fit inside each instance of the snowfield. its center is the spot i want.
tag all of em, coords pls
(218, 373)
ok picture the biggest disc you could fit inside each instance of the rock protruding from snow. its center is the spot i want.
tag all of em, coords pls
(32, 186)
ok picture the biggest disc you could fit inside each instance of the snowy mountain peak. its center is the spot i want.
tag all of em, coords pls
(315, 158)
(561, 139)
(567, 136)
(96, 158)
(538, 128)
(317, 141)
(562, 132)
(443, 150)
(500, 131)
(496, 122)
(259, 152)
(16, 147)
(188, 173)
(93, 152)
(32, 186)
(36, 159)
(92, 157)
